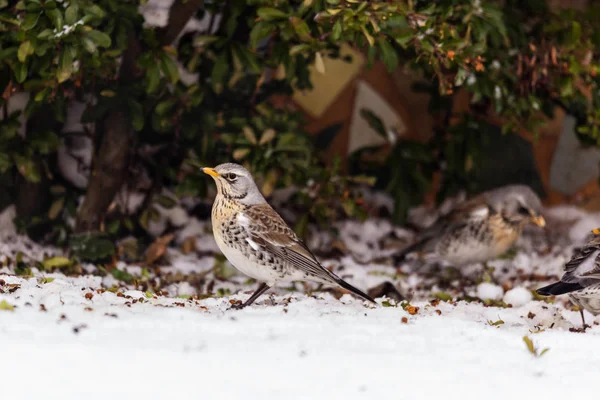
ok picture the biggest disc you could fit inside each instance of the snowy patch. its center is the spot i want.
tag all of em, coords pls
(489, 291)
(172, 325)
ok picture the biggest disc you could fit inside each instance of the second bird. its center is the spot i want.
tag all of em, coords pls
(480, 229)
(256, 240)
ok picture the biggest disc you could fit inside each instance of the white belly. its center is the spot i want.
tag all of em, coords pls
(470, 253)
(248, 267)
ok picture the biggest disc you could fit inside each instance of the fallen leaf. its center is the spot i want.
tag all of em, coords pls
(157, 249)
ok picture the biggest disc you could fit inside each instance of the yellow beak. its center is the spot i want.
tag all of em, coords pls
(596, 231)
(210, 172)
(538, 220)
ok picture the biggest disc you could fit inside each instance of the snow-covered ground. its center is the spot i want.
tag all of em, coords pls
(163, 337)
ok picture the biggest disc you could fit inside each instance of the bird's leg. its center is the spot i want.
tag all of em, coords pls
(261, 289)
(582, 319)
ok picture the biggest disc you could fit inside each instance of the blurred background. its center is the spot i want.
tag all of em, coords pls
(341, 109)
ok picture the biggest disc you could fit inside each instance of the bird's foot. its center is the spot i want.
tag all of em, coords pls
(237, 305)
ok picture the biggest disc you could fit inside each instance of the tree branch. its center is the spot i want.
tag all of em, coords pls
(180, 13)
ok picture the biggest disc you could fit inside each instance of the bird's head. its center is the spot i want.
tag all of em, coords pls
(235, 182)
(518, 204)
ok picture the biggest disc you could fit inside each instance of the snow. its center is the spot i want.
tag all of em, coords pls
(93, 336)
(488, 290)
(517, 297)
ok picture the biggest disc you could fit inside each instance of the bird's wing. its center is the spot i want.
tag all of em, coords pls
(584, 264)
(270, 232)
(463, 214)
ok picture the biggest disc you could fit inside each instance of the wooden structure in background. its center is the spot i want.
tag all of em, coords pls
(335, 104)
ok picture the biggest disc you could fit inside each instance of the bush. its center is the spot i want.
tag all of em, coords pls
(164, 100)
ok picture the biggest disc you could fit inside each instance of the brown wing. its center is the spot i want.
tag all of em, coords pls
(459, 217)
(584, 264)
(269, 231)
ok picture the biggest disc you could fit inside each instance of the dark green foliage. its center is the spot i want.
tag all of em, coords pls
(516, 59)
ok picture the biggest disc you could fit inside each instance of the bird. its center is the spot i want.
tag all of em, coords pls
(479, 229)
(581, 280)
(257, 241)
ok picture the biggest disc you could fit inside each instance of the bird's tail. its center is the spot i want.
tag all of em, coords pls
(558, 288)
(354, 290)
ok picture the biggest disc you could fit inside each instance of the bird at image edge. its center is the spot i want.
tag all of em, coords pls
(581, 280)
(257, 241)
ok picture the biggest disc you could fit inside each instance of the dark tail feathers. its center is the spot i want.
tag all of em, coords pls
(558, 288)
(354, 290)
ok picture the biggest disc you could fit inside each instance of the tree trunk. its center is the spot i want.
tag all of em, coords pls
(109, 171)
(110, 163)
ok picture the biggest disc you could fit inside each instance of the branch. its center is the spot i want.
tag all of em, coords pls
(180, 13)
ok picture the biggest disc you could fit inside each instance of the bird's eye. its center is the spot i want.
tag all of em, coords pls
(231, 176)
(523, 211)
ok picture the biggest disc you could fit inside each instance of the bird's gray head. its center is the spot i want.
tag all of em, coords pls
(517, 203)
(235, 182)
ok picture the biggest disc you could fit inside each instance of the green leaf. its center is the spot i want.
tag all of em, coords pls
(301, 28)
(45, 34)
(5, 162)
(249, 134)
(71, 14)
(443, 296)
(89, 45)
(388, 54)
(299, 48)
(374, 122)
(28, 168)
(203, 40)
(6, 306)
(149, 295)
(336, 32)
(100, 38)
(95, 11)
(460, 77)
(260, 31)
(92, 246)
(575, 33)
(136, 113)
(271, 14)
(56, 208)
(404, 39)
(165, 201)
(169, 68)
(247, 58)
(25, 49)
(368, 36)
(220, 69)
(57, 18)
(56, 262)
(529, 345)
(30, 21)
(397, 21)
(164, 106)
(65, 67)
(44, 142)
(152, 78)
